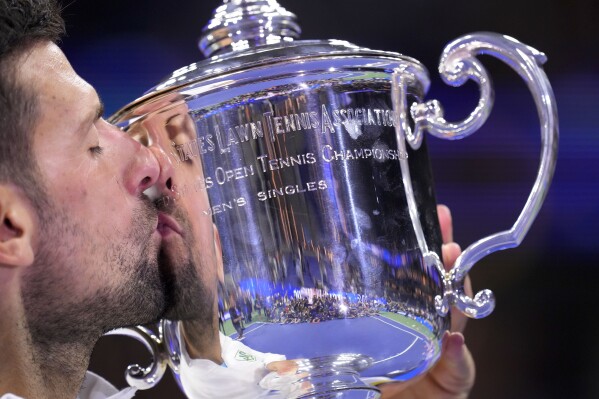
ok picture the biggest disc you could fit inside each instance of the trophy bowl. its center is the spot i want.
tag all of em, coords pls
(306, 257)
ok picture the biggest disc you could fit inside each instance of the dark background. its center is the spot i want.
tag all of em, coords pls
(541, 341)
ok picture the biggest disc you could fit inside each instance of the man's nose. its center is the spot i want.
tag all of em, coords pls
(165, 184)
(143, 171)
(151, 141)
(141, 168)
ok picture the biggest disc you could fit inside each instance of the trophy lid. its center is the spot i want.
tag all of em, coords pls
(241, 24)
(247, 34)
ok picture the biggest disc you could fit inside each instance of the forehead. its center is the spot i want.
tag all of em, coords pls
(46, 70)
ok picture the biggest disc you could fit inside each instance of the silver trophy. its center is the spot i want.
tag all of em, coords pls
(302, 190)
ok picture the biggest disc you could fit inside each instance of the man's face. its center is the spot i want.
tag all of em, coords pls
(95, 255)
(189, 258)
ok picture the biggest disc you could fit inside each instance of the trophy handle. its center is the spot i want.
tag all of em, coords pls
(144, 377)
(458, 64)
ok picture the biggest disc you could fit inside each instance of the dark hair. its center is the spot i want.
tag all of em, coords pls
(23, 23)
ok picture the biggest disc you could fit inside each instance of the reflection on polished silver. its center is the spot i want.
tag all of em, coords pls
(145, 377)
(333, 374)
(242, 24)
(458, 64)
(302, 203)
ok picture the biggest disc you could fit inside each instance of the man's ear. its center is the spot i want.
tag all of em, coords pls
(218, 253)
(16, 228)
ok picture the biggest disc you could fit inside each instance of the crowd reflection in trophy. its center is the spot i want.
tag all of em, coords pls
(316, 307)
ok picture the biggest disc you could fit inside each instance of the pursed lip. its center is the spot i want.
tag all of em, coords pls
(167, 224)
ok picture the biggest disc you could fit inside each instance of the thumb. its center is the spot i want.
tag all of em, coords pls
(455, 371)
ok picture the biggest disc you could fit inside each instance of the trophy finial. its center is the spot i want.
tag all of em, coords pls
(242, 24)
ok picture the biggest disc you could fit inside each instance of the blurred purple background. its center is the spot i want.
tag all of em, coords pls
(542, 340)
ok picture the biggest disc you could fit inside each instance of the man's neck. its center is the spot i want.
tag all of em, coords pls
(202, 341)
(33, 370)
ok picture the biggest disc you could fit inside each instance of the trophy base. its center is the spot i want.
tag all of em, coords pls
(383, 347)
(332, 377)
(346, 394)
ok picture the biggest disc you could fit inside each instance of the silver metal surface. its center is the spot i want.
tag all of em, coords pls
(243, 24)
(145, 377)
(304, 208)
(458, 64)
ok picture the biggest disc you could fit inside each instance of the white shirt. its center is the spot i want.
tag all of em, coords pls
(94, 387)
(243, 375)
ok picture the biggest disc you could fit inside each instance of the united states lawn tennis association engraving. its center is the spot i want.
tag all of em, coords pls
(221, 138)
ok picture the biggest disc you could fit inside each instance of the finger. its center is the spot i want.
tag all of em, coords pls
(459, 319)
(455, 371)
(445, 222)
(450, 251)
(468, 287)
(451, 377)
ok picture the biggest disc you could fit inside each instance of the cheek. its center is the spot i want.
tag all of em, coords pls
(100, 208)
(79, 193)
(82, 184)
(73, 197)
(204, 234)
